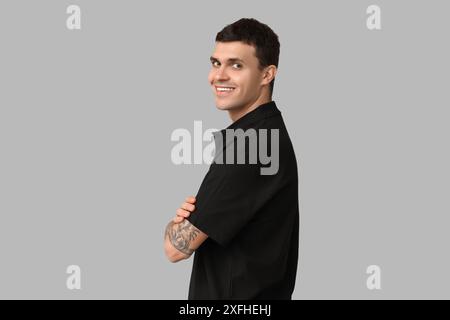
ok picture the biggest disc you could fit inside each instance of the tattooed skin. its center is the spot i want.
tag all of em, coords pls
(181, 235)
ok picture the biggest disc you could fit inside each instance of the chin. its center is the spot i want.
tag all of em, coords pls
(222, 105)
(228, 104)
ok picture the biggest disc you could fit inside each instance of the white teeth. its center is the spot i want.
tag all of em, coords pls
(224, 89)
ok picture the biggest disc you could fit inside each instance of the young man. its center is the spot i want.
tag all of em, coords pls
(244, 224)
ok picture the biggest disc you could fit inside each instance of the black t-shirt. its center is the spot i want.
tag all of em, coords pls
(252, 219)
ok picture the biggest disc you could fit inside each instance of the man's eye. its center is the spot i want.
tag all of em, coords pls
(215, 63)
(237, 66)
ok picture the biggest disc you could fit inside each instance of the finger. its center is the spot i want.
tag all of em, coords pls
(187, 206)
(177, 219)
(183, 213)
(190, 199)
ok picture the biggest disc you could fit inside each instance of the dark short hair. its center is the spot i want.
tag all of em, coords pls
(257, 34)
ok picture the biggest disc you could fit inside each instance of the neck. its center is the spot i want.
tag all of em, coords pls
(239, 113)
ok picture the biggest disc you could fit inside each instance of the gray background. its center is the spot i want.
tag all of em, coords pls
(86, 116)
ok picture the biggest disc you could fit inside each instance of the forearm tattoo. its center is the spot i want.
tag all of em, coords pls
(181, 235)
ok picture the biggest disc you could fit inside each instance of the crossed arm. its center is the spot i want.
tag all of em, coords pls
(182, 238)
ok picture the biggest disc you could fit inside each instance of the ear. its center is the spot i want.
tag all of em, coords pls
(269, 74)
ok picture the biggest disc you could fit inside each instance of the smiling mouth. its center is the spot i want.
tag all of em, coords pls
(224, 90)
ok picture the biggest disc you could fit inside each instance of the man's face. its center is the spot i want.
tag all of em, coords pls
(235, 77)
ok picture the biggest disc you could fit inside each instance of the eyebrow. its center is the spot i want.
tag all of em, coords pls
(230, 60)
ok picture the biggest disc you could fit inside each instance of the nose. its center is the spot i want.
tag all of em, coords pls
(221, 74)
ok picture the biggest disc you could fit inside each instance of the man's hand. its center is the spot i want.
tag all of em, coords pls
(181, 237)
(187, 207)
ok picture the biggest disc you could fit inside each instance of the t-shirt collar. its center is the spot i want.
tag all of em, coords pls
(246, 122)
(263, 111)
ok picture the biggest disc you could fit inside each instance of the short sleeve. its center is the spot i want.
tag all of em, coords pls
(229, 197)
